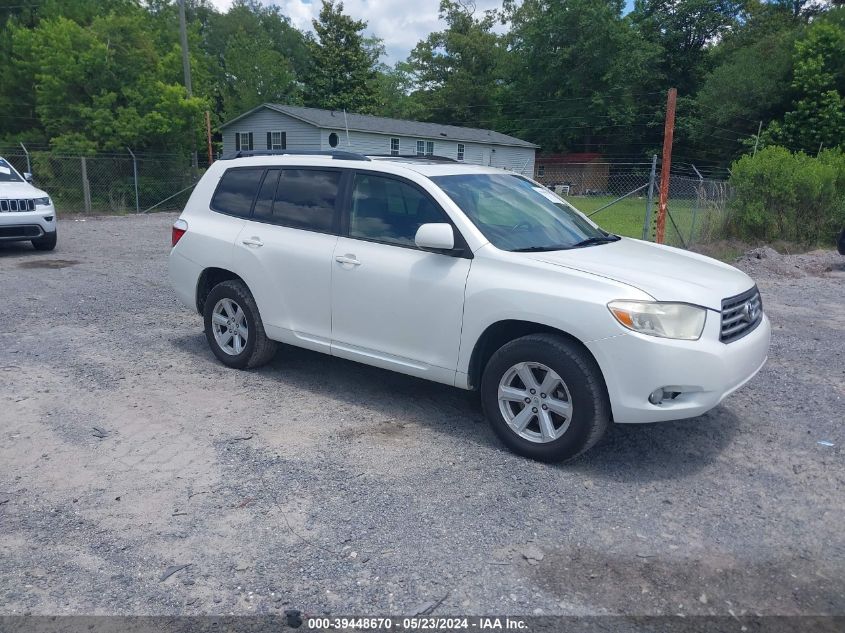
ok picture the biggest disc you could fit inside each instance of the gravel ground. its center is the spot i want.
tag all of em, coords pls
(327, 486)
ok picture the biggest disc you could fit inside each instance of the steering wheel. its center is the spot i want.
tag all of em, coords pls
(525, 225)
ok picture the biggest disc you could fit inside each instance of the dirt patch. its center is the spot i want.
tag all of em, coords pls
(766, 261)
(48, 263)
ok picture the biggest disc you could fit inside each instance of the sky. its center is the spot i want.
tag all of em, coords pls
(399, 23)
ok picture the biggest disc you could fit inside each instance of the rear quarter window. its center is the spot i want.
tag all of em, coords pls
(236, 191)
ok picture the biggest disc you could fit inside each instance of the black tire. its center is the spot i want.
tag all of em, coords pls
(259, 350)
(588, 395)
(47, 242)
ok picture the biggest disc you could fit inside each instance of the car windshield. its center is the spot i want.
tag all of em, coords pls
(7, 174)
(516, 214)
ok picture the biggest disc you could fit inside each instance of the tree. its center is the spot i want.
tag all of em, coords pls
(684, 29)
(817, 117)
(343, 74)
(102, 87)
(576, 71)
(458, 70)
(255, 73)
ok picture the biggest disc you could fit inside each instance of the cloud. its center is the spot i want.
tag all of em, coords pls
(400, 23)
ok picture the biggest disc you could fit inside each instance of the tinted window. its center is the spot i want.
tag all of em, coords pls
(305, 199)
(236, 191)
(264, 201)
(389, 210)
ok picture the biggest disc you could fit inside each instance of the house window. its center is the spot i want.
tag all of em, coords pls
(541, 170)
(420, 148)
(429, 148)
(333, 139)
(460, 151)
(394, 147)
(243, 141)
(277, 140)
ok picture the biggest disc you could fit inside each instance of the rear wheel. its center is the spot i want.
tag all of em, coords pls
(233, 327)
(544, 396)
(47, 242)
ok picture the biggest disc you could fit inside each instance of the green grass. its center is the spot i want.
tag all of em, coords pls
(626, 216)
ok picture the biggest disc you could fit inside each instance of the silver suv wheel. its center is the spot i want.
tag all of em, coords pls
(228, 322)
(535, 402)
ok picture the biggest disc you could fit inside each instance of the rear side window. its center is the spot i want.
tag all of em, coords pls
(236, 191)
(305, 199)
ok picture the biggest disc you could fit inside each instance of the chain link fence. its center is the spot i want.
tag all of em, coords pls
(622, 197)
(110, 183)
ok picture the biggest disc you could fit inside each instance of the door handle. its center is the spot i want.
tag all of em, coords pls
(348, 260)
(253, 241)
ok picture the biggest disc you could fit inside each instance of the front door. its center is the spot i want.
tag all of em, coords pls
(393, 305)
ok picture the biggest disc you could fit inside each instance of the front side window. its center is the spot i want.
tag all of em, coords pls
(517, 215)
(389, 210)
(236, 191)
(243, 141)
(304, 199)
(8, 173)
(420, 148)
(460, 152)
(394, 147)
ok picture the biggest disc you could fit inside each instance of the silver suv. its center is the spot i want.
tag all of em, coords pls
(27, 213)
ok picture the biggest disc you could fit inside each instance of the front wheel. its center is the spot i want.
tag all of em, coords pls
(47, 242)
(233, 327)
(545, 397)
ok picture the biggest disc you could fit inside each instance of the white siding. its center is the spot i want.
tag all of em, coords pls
(301, 135)
(518, 159)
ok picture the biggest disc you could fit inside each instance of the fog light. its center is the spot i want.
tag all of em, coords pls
(49, 218)
(656, 396)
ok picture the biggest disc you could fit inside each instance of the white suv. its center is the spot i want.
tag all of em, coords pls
(26, 213)
(469, 276)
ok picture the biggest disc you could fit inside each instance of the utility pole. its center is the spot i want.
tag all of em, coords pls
(186, 67)
(208, 137)
(666, 163)
(757, 139)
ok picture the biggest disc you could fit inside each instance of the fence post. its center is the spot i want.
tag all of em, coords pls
(699, 192)
(86, 187)
(135, 176)
(650, 201)
(28, 164)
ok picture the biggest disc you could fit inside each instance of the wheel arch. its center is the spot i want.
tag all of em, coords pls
(502, 332)
(209, 278)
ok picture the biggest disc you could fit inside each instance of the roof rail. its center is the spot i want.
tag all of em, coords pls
(335, 154)
(432, 158)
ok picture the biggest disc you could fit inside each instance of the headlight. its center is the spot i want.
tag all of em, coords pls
(43, 202)
(667, 320)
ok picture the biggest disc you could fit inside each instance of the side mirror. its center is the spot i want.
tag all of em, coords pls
(27, 176)
(435, 237)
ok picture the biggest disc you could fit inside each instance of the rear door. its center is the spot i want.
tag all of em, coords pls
(285, 252)
(394, 305)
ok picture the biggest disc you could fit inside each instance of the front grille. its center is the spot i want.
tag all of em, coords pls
(740, 315)
(20, 232)
(7, 205)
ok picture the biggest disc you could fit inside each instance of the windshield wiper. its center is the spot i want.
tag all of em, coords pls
(540, 249)
(602, 239)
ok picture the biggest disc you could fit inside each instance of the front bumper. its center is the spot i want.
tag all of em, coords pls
(705, 371)
(16, 226)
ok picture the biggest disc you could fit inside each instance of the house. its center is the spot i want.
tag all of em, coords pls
(272, 126)
(580, 173)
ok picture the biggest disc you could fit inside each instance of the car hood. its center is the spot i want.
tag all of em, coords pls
(666, 273)
(20, 190)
